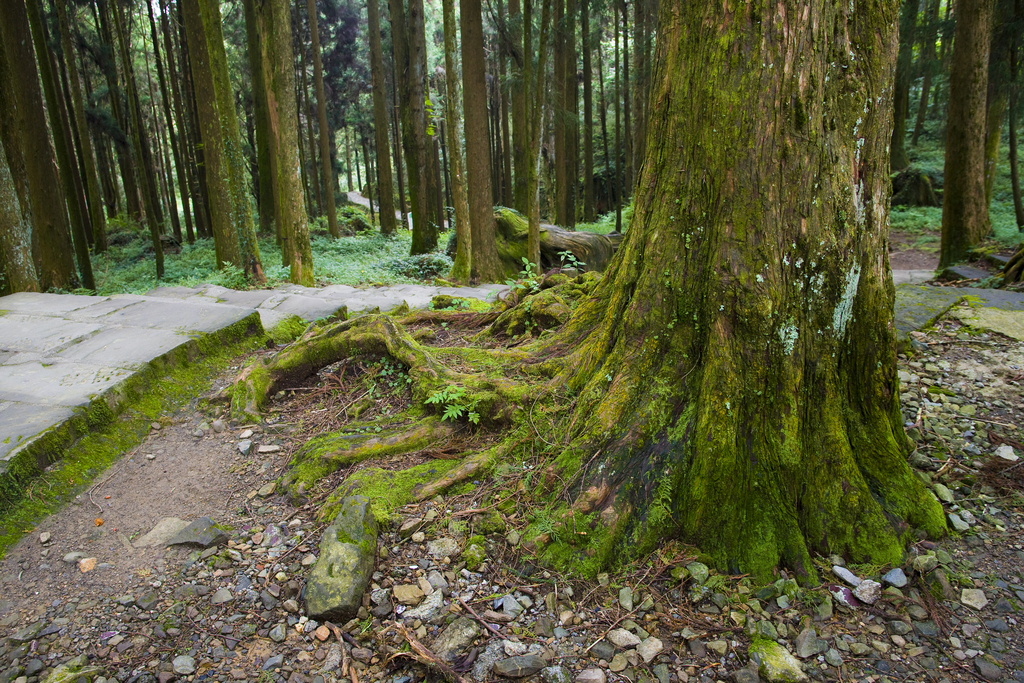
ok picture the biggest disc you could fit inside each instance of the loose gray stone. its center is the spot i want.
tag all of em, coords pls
(806, 643)
(958, 523)
(626, 598)
(335, 586)
(278, 633)
(73, 557)
(649, 649)
(846, 575)
(591, 675)
(245, 446)
(622, 638)
(427, 610)
(148, 601)
(988, 670)
(486, 659)
(184, 665)
(454, 640)
(511, 606)
(699, 571)
(203, 532)
(661, 673)
(974, 598)
(219, 426)
(895, 577)
(273, 662)
(221, 596)
(868, 591)
(833, 657)
(747, 674)
(943, 493)
(519, 667)
(26, 634)
(776, 664)
(925, 563)
(602, 649)
(442, 547)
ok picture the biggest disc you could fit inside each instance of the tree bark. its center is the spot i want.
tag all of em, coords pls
(506, 135)
(965, 220)
(67, 166)
(927, 67)
(627, 117)
(284, 126)
(52, 248)
(321, 112)
(256, 39)
(1003, 31)
(140, 144)
(533, 84)
(191, 146)
(1018, 205)
(409, 44)
(96, 217)
(462, 267)
(901, 97)
(589, 212)
(485, 264)
(312, 176)
(757, 457)
(226, 177)
(16, 267)
(520, 137)
(380, 123)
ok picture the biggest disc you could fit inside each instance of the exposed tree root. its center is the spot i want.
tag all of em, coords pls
(1013, 271)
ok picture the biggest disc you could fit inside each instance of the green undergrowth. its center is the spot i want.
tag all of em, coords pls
(366, 257)
(104, 439)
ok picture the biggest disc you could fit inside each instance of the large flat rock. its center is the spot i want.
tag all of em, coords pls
(918, 306)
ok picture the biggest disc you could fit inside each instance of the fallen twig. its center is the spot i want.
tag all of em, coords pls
(480, 619)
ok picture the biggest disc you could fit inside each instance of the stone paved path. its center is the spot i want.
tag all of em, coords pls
(61, 354)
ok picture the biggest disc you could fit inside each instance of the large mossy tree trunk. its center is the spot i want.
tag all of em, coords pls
(736, 368)
(965, 220)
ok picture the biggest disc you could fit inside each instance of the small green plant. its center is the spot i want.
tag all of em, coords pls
(455, 403)
(567, 257)
(528, 278)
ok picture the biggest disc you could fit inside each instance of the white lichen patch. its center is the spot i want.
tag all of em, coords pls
(788, 334)
(844, 308)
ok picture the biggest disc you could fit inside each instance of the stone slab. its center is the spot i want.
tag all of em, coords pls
(1010, 323)
(246, 299)
(911, 277)
(123, 347)
(46, 304)
(20, 422)
(173, 292)
(57, 384)
(166, 529)
(23, 332)
(996, 298)
(184, 316)
(964, 273)
(307, 307)
(918, 306)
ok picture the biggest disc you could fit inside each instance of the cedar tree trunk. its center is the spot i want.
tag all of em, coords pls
(453, 123)
(736, 368)
(380, 123)
(965, 220)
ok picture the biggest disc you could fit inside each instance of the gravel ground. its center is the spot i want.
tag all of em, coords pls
(88, 597)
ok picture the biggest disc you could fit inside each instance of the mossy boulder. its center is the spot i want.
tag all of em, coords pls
(474, 554)
(74, 669)
(775, 663)
(335, 587)
(541, 311)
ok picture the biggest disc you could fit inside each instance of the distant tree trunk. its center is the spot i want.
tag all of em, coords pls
(520, 137)
(313, 176)
(172, 115)
(396, 153)
(618, 107)
(627, 114)
(965, 220)
(409, 45)
(291, 215)
(462, 268)
(611, 185)
(534, 89)
(96, 218)
(589, 213)
(325, 131)
(348, 160)
(67, 165)
(256, 38)
(369, 174)
(140, 143)
(640, 80)
(506, 137)
(901, 90)
(380, 122)
(485, 264)
(927, 63)
(1003, 31)
(51, 236)
(1018, 205)
(184, 111)
(560, 107)
(230, 208)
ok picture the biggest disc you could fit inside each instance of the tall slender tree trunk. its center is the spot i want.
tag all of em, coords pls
(506, 136)
(462, 267)
(325, 131)
(928, 66)
(226, 176)
(627, 126)
(67, 165)
(348, 160)
(520, 136)
(193, 146)
(313, 176)
(140, 144)
(965, 220)
(396, 149)
(163, 63)
(369, 174)
(560, 112)
(410, 66)
(534, 87)
(1018, 204)
(618, 108)
(485, 263)
(256, 37)
(95, 203)
(640, 80)
(291, 215)
(380, 122)
(901, 91)
(589, 212)
(1003, 31)
(611, 184)
(52, 249)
